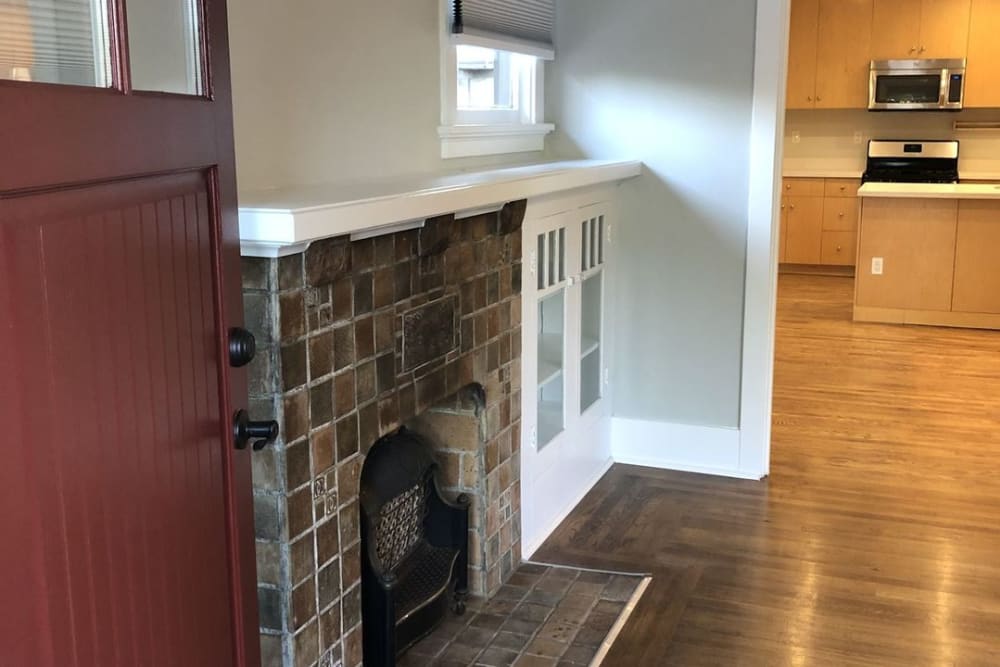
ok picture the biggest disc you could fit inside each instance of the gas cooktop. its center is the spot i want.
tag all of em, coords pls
(912, 162)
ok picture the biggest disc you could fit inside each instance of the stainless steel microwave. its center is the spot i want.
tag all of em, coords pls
(917, 85)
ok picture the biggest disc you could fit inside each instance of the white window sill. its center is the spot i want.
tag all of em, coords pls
(471, 140)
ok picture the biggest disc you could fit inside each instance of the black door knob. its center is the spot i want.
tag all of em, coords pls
(242, 347)
(261, 433)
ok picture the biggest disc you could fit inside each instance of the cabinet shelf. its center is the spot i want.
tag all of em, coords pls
(550, 421)
(589, 346)
(550, 357)
(548, 373)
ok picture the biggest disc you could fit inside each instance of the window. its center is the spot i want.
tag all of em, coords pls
(491, 93)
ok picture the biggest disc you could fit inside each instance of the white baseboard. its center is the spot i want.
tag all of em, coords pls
(530, 544)
(708, 450)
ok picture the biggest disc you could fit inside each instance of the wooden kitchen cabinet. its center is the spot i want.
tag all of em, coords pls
(920, 29)
(842, 54)
(819, 221)
(915, 240)
(977, 258)
(804, 35)
(982, 76)
(828, 56)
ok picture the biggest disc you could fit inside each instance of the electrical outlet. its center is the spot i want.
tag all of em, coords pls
(877, 266)
(859, 137)
(796, 137)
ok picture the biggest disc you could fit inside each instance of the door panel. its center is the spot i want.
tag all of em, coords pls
(131, 539)
(944, 28)
(977, 254)
(895, 29)
(802, 54)
(845, 31)
(112, 304)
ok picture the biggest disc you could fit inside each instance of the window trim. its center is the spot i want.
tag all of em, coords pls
(467, 133)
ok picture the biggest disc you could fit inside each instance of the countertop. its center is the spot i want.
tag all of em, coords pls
(930, 190)
(283, 221)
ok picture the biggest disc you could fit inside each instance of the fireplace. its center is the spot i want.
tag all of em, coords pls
(356, 339)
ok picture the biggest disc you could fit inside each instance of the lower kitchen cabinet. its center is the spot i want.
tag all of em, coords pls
(977, 258)
(819, 219)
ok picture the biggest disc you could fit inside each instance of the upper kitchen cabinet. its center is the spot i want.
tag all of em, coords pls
(842, 60)
(828, 58)
(802, 54)
(920, 29)
(982, 83)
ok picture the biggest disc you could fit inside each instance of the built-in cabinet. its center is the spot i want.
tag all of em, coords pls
(929, 261)
(819, 220)
(833, 42)
(920, 29)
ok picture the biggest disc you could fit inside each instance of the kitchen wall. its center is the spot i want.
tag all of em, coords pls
(824, 140)
(668, 82)
(337, 91)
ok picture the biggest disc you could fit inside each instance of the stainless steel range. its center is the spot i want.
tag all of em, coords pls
(912, 162)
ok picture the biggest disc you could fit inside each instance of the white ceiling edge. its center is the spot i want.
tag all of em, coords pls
(280, 222)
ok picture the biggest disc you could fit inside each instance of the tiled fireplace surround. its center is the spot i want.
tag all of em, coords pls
(330, 325)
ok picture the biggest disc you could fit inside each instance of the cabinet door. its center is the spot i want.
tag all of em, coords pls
(783, 231)
(550, 292)
(944, 28)
(843, 54)
(802, 54)
(804, 234)
(977, 258)
(840, 214)
(895, 29)
(591, 349)
(839, 248)
(915, 238)
(982, 83)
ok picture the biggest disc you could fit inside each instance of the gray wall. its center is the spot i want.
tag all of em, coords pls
(668, 82)
(337, 91)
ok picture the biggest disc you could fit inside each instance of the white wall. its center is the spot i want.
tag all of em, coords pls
(669, 82)
(331, 90)
(826, 138)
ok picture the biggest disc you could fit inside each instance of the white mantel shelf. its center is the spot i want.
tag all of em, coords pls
(279, 222)
(930, 190)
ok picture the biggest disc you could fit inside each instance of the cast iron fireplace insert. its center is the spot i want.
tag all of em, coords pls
(414, 546)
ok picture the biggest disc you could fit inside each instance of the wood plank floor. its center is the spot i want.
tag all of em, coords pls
(876, 540)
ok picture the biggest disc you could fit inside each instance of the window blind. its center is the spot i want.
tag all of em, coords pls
(526, 25)
(54, 40)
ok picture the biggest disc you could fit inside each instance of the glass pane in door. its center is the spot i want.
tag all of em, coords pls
(551, 352)
(165, 51)
(55, 41)
(590, 341)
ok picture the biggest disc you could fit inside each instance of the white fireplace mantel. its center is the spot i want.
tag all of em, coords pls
(279, 222)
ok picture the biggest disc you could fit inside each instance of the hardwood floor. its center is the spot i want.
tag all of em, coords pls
(876, 540)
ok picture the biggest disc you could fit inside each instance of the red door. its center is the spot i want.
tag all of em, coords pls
(125, 511)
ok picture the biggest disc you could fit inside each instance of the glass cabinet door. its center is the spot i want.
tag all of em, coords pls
(551, 271)
(591, 310)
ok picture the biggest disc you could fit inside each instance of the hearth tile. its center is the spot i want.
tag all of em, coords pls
(292, 315)
(257, 316)
(329, 628)
(296, 407)
(496, 657)
(351, 605)
(528, 660)
(322, 445)
(363, 254)
(348, 478)
(493, 356)
(511, 592)
(385, 332)
(302, 560)
(271, 651)
(328, 260)
(406, 245)
(388, 414)
(407, 402)
(342, 308)
(568, 616)
(579, 654)
(255, 272)
(558, 630)
(343, 347)
(492, 287)
(297, 466)
(612, 607)
(269, 608)
(268, 562)
(601, 622)
(290, 273)
(505, 348)
(556, 586)
(476, 637)
(307, 645)
(300, 511)
(303, 603)
(527, 611)
(293, 366)
(320, 355)
(619, 589)
(368, 426)
(366, 381)
(328, 584)
(385, 368)
(352, 648)
(511, 641)
(488, 621)
(266, 517)
(512, 215)
(385, 249)
(350, 521)
(505, 283)
(363, 294)
(586, 588)
(321, 404)
(347, 436)
(327, 540)
(515, 276)
(546, 647)
(481, 329)
(384, 287)
(467, 334)
(265, 470)
(364, 338)
(589, 637)
(344, 392)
